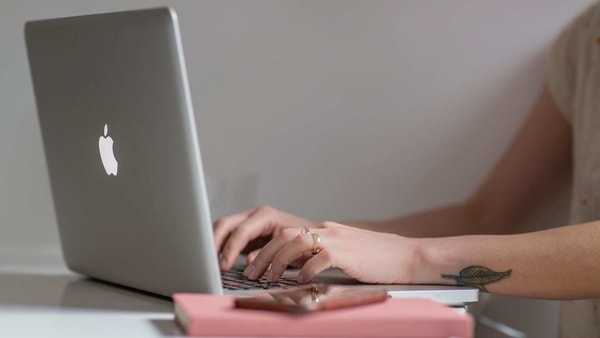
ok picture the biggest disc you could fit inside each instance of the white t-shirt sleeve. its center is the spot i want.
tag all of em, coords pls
(565, 61)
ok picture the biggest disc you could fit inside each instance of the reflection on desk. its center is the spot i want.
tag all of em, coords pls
(61, 304)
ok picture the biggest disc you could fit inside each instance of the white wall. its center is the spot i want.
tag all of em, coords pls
(329, 109)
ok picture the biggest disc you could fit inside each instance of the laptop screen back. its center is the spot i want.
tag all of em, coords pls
(122, 151)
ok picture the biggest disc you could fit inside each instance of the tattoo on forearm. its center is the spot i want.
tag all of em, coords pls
(477, 276)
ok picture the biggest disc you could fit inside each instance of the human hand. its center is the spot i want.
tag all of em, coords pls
(248, 231)
(370, 257)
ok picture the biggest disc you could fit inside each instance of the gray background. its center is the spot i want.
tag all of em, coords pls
(328, 109)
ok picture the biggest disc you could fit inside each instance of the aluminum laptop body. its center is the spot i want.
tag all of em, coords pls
(122, 75)
(123, 156)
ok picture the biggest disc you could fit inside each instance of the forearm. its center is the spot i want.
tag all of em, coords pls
(534, 166)
(561, 263)
(452, 220)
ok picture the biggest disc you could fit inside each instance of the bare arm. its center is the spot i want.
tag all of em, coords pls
(560, 263)
(538, 160)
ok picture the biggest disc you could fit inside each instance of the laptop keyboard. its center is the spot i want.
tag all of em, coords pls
(235, 280)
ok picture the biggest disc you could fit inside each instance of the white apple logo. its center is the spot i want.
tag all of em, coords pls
(105, 145)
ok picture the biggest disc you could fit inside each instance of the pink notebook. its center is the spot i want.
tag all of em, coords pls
(210, 315)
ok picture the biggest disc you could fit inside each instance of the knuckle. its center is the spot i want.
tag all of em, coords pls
(326, 255)
(329, 225)
(299, 240)
(241, 232)
(335, 231)
(265, 209)
(220, 223)
(288, 234)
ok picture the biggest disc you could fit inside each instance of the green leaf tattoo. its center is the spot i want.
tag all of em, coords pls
(477, 276)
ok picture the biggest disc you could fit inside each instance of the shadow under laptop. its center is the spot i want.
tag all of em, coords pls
(87, 293)
(76, 292)
(98, 295)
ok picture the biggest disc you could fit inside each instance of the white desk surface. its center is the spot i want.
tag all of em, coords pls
(41, 298)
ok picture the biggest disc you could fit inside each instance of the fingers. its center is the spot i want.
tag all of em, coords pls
(223, 226)
(299, 247)
(319, 262)
(251, 255)
(272, 254)
(247, 231)
(291, 246)
(257, 224)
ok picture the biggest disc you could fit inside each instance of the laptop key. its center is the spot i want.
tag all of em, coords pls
(235, 280)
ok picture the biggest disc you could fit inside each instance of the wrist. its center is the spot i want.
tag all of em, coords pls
(432, 257)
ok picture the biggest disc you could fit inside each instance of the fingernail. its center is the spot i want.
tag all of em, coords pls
(269, 275)
(250, 271)
(222, 259)
(300, 279)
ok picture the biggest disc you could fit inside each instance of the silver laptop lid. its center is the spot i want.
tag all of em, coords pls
(118, 80)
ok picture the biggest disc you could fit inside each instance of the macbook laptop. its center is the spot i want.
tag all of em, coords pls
(123, 156)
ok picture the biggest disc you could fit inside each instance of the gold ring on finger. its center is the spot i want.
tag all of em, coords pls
(316, 243)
